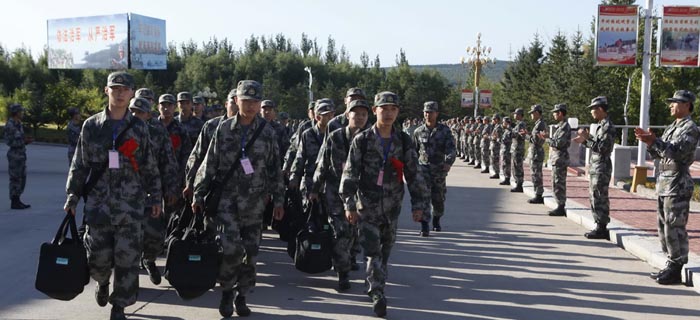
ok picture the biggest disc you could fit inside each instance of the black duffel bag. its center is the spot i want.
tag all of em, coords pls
(63, 269)
(294, 218)
(192, 265)
(314, 244)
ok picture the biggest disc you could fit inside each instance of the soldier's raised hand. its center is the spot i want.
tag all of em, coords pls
(155, 211)
(351, 216)
(645, 136)
(278, 213)
(417, 215)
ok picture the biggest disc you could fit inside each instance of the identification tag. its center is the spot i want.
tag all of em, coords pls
(113, 159)
(247, 166)
(380, 178)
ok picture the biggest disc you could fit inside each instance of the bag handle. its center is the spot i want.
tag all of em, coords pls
(67, 223)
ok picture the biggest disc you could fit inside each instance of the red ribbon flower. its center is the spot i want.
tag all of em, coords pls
(127, 149)
(175, 139)
(398, 166)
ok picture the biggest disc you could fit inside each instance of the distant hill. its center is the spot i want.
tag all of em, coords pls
(456, 73)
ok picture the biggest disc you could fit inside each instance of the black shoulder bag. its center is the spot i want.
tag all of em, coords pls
(213, 197)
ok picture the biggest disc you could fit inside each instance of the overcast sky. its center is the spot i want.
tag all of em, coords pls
(431, 32)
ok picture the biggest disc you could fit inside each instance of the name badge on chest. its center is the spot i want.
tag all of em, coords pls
(380, 178)
(247, 166)
(113, 159)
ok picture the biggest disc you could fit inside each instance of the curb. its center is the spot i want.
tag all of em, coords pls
(641, 244)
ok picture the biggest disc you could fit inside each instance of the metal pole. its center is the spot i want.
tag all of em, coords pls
(311, 81)
(646, 82)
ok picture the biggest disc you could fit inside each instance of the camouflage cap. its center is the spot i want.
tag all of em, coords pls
(430, 106)
(198, 100)
(249, 90)
(323, 108)
(311, 106)
(356, 92)
(386, 98)
(140, 104)
(15, 108)
(506, 119)
(267, 103)
(283, 115)
(599, 101)
(559, 107)
(167, 98)
(486, 118)
(358, 103)
(496, 116)
(471, 118)
(682, 96)
(145, 93)
(536, 108)
(184, 96)
(519, 111)
(72, 112)
(120, 78)
(231, 94)
(479, 118)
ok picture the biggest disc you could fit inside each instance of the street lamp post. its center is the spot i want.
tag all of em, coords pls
(477, 56)
(311, 81)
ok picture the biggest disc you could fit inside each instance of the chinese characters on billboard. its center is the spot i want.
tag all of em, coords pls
(467, 98)
(118, 41)
(680, 32)
(616, 35)
(148, 47)
(98, 42)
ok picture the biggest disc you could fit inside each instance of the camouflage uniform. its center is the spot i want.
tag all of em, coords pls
(294, 145)
(495, 149)
(506, 142)
(16, 157)
(282, 138)
(536, 152)
(485, 144)
(200, 149)
(304, 165)
(114, 209)
(435, 149)
(154, 228)
(73, 133)
(476, 132)
(674, 186)
(379, 206)
(559, 144)
(326, 182)
(240, 211)
(339, 121)
(518, 152)
(601, 143)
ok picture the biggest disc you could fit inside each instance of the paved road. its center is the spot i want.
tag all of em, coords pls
(497, 258)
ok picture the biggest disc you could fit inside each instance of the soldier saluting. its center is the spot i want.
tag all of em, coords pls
(676, 150)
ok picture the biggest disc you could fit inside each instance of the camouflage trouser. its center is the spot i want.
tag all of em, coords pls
(496, 160)
(241, 245)
(17, 170)
(559, 184)
(600, 202)
(467, 150)
(505, 162)
(537, 183)
(343, 241)
(485, 157)
(153, 236)
(118, 246)
(437, 186)
(477, 153)
(518, 171)
(673, 217)
(377, 237)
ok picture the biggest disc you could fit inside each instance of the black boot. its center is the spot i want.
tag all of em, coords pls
(117, 313)
(477, 165)
(672, 274)
(343, 281)
(17, 204)
(505, 182)
(560, 211)
(226, 304)
(600, 232)
(655, 275)
(242, 309)
(102, 294)
(436, 224)
(536, 199)
(495, 176)
(378, 304)
(424, 229)
(485, 170)
(518, 188)
(153, 272)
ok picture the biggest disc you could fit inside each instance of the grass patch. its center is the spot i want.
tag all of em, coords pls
(47, 133)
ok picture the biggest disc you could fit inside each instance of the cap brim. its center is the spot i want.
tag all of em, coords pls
(244, 97)
(118, 85)
(675, 100)
(387, 104)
